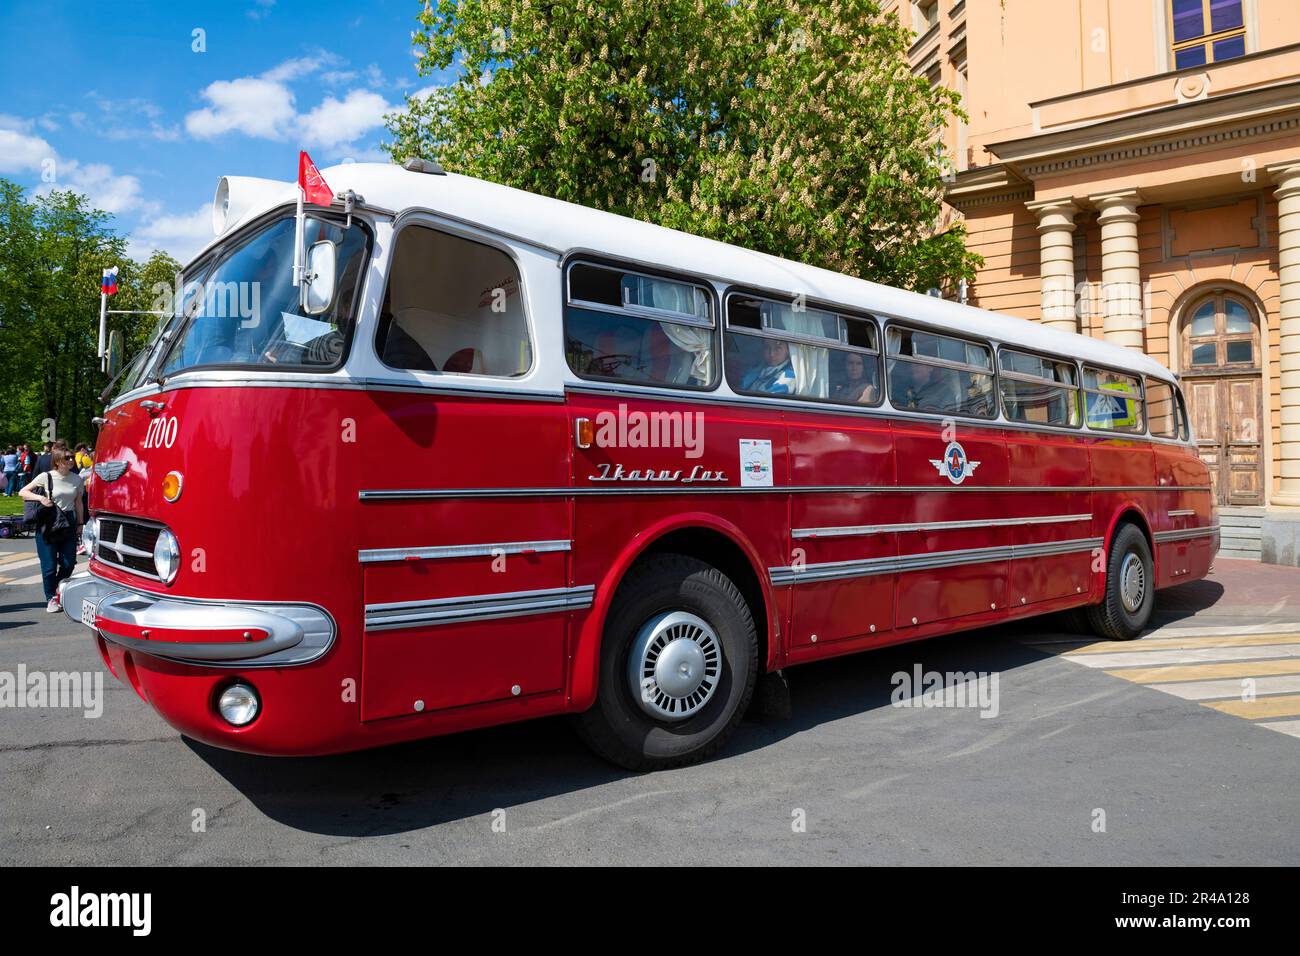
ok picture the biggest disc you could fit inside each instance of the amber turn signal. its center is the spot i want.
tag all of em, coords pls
(171, 485)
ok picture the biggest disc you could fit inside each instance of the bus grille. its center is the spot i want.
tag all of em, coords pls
(128, 545)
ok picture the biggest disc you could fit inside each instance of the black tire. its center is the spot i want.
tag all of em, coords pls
(616, 727)
(1113, 618)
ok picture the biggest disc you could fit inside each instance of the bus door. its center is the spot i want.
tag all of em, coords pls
(465, 532)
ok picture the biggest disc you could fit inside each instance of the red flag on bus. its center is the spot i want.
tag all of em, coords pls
(314, 188)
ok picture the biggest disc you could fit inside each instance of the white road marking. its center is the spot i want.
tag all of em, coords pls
(1232, 687)
(1190, 655)
(1291, 727)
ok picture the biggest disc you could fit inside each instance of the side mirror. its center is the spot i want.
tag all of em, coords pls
(318, 283)
(113, 363)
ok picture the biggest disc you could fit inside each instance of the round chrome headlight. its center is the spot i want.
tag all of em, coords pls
(238, 705)
(90, 536)
(166, 556)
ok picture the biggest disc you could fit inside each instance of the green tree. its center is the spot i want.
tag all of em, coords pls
(795, 128)
(53, 250)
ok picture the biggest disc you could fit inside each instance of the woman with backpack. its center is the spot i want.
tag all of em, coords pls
(58, 492)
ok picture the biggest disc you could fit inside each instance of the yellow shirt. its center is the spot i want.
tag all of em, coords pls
(84, 460)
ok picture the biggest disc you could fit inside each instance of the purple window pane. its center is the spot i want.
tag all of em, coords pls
(1192, 56)
(1230, 48)
(1224, 15)
(1189, 19)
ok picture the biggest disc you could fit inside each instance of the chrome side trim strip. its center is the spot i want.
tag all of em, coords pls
(1186, 533)
(856, 530)
(413, 494)
(1182, 513)
(840, 570)
(461, 551)
(476, 607)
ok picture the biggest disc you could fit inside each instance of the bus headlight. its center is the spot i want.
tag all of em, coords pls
(166, 556)
(90, 536)
(238, 704)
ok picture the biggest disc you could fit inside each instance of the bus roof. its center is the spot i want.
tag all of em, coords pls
(563, 227)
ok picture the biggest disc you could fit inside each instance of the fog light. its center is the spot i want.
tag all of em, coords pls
(238, 705)
(166, 556)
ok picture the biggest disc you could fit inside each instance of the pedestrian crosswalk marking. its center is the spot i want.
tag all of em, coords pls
(1197, 672)
(1291, 727)
(1179, 643)
(1189, 655)
(1283, 705)
(1211, 670)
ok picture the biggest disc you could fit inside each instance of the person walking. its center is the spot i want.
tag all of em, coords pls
(10, 459)
(57, 535)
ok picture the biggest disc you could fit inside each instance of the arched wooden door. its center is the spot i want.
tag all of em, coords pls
(1222, 362)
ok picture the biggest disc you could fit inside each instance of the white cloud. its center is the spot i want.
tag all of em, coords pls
(337, 122)
(179, 235)
(249, 105)
(260, 9)
(102, 188)
(21, 152)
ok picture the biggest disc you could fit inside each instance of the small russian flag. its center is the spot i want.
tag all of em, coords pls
(109, 284)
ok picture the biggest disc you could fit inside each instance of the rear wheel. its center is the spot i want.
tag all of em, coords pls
(678, 663)
(1130, 587)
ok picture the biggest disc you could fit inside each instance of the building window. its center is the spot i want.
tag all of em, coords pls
(925, 16)
(1221, 332)
(1206, 31)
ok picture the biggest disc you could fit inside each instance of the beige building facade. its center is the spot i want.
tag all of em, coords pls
(1130, 169)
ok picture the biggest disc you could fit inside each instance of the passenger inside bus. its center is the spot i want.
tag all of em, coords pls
(775, 375)
(854, 386)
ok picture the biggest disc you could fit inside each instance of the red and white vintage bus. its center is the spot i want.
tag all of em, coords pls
(502, 456)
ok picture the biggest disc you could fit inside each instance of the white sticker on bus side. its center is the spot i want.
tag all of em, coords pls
(755, 462)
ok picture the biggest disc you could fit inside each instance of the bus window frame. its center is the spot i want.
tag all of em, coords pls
(1076, 388)
(992, 370)
(841, 344)
(644, 313)
(426, 221)
(1141, 399)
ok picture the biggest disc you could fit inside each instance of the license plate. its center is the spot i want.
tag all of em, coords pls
(88, 613)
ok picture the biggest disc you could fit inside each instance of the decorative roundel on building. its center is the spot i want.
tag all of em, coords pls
(954, 465)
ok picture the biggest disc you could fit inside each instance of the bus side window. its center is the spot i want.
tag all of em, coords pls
(1162, 411)
(1041, 391)
(630, 327)
(452, 305)
(927, 372)
(1113, 400)
(773, 348)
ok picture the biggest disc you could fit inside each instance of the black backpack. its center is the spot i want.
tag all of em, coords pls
(35, 515)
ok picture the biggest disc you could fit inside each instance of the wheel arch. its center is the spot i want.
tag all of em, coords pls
(699, 535)
(1131, 512)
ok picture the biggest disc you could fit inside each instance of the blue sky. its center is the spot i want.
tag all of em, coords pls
(116, 103)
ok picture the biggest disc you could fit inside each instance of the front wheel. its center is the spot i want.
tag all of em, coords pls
(678, 664)
(1130, 588)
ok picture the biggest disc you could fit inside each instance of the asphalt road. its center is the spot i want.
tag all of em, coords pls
(1179, 782)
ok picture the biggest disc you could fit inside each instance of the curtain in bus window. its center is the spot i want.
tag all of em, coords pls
(695, 360)
(811, 363)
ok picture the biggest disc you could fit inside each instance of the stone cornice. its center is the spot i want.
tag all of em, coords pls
(1252, 114)
(987, 186)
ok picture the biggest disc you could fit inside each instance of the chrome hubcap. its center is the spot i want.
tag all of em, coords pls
(674, 666)
(1132, 582)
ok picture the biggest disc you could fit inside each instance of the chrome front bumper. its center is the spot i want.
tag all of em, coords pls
(238, 634)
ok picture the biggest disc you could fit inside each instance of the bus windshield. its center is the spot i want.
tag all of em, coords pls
(243, 309)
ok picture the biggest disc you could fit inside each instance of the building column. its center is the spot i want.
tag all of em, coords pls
(1287, 178)
(1121, 272)
(1056, 257)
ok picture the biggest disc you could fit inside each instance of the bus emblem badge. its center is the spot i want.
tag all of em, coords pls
(955, 466)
